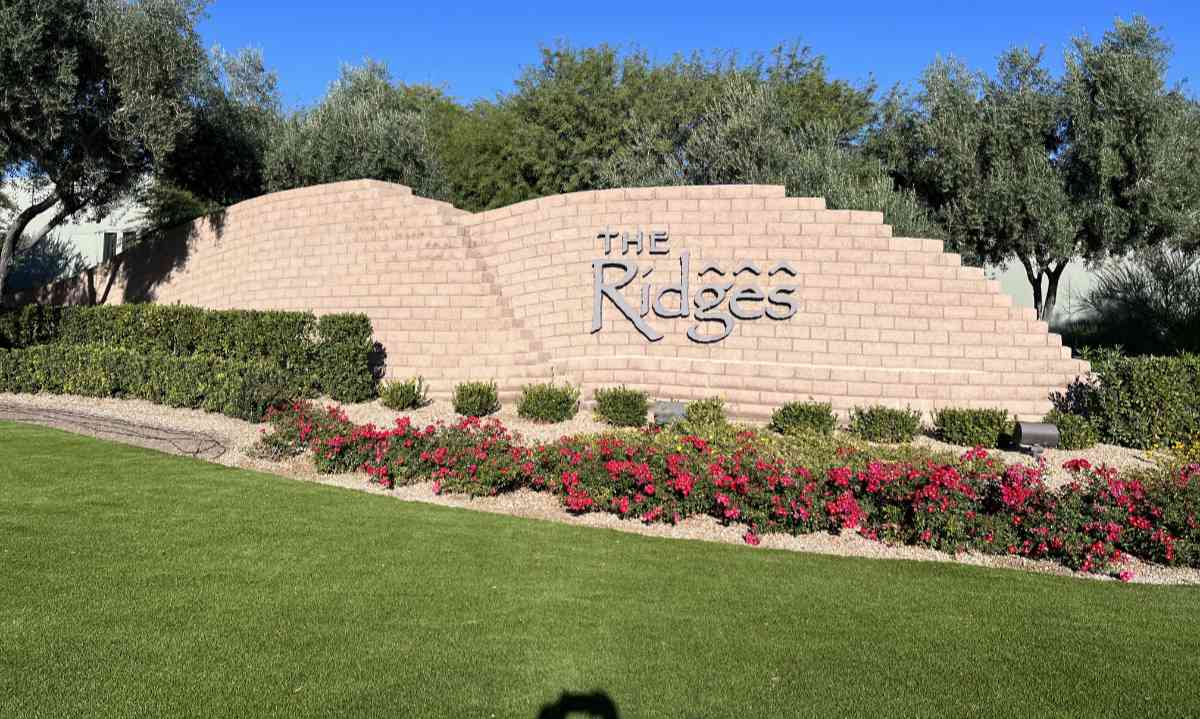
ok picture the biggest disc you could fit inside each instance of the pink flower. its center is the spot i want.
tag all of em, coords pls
(751, 538)
(1125, 576)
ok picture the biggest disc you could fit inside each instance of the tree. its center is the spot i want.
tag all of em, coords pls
(219, 158)
(745, 134)
(578, 107)
(1023, 166)
(95, 93)
(364, 127)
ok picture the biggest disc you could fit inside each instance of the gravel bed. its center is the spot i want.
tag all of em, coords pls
(240, 437)
(582, 423)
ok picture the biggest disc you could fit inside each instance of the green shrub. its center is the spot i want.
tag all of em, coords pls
(476, 399)
(621, 406)
(28, 326)
(407, 394)
(344, 352)
(239, 389)
(1139, 402)
(334, 354)
(974, 427)
(885, 424)
(804, 417)
(548, 402)
(1074, 431)
(705, 411)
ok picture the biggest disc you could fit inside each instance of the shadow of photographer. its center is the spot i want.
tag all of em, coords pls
(596, 704)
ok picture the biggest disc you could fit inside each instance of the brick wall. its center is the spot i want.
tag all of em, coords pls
(508, 295)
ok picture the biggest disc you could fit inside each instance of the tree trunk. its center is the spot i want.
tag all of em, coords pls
(12, 234)
(1035, 282)
(1055, 274)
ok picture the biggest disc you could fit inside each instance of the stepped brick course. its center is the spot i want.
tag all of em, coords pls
(508, 295)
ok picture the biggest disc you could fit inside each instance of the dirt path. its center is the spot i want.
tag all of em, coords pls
(164, 439)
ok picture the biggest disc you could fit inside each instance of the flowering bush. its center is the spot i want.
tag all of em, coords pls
(970, 503)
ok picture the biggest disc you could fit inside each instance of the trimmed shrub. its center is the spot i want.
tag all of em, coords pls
(334, 354)
(476, 399)
(705, 411)
(344, 357)
(622, 407)
(1139, 402)
(28, 326)
(1074, 431)
(797, 417)
(407, 394)
(974, 427)
(548, 402)
(239, 389)
(885, 424)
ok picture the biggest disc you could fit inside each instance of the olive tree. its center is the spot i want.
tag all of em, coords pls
(1041, 170)
(745, 134)
(366, 126)
(94, 94)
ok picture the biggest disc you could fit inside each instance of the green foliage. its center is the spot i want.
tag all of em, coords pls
(95, 94)
(1139, 402)
(1147, 305)
(1074, 431)
(743, 133)
(364, 127)
(29, 325)
(804, 417)
(622, 406)
(333, 354)
(219, 159)
(705, 411)
(974, 427)
(343, 354)
(241, 389)
(578, 107)
(476, 399)
(1092, 164)
(404, 394)
(548, 402)
(885, 424)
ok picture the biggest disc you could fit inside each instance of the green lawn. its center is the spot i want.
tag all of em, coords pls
(133, 583)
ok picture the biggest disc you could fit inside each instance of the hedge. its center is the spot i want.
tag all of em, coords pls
(236, 388)
(968, 427)
(333, 354)
(1139, 402)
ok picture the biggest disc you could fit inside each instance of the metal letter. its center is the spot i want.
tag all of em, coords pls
(658, 243)
(601, 290)
(704, 314)
(679, 288)
(746, 294)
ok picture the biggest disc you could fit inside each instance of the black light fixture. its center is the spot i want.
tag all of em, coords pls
(1036, 436)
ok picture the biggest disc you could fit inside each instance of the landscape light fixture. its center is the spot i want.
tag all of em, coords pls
(1036, 437)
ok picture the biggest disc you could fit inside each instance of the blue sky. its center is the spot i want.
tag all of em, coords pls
(477, 49)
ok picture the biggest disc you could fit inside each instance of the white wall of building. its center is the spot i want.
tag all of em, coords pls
(1075, 282)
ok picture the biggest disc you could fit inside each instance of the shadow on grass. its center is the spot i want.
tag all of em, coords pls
(597, 704)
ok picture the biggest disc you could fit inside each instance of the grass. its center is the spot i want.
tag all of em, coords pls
(140, 584)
